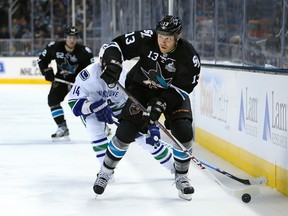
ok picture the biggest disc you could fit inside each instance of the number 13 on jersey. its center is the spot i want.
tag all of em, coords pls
(130, 37)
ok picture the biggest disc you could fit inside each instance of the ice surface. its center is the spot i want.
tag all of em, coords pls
(42, 178)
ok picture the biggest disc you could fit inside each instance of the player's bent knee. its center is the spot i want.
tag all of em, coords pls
(126, 132)
(119, 144)
(182, 130)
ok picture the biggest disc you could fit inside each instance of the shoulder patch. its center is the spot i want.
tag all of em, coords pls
(51, 43)
(84, 75)
(88, 50)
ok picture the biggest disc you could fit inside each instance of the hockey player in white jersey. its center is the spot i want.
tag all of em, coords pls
(95, 102)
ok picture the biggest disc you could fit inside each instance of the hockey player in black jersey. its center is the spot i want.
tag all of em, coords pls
(165, 59)
(71, 57)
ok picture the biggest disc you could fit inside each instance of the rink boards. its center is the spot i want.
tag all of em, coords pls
(242, 116)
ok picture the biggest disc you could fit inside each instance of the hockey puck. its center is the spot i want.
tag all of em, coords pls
(246, 198)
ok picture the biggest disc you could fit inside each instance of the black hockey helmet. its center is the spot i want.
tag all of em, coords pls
(71, 30)
(169, 25)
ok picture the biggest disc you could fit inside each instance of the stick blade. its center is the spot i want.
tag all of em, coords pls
(258, 181)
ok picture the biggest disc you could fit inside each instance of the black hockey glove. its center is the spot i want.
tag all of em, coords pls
(111, 71)
(156, 107)
(49, 74)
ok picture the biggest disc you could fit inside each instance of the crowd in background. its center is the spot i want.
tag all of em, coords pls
(22, 23)
(46, 21)
(218, 29)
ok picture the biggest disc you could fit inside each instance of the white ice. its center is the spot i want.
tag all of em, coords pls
(43, 178)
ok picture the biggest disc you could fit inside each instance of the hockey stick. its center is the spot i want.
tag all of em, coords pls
(251, 181)
(63, 81)
(232, 191)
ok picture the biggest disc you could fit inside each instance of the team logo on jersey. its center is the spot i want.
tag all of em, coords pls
(155, 78)
(170, 67)
(72, 58)
(133, 109)
(67, 68)
(84, 75)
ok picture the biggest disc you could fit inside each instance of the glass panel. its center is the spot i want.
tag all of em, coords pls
(238, 32)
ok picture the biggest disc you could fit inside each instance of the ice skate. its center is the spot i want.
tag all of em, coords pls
(62, 133)
(185, 190)
(101, 182)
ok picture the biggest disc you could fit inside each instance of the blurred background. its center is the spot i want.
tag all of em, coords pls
(249, 33)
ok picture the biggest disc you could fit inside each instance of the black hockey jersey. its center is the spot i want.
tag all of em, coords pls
(69, 64)
(181, 67)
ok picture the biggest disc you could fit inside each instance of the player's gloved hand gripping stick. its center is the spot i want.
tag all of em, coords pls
(154, 136)
(102, 111)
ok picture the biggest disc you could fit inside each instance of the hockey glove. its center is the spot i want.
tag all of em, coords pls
(154, 135)
(49, 74)
(111, 71)
(102, 111)
(156, 107)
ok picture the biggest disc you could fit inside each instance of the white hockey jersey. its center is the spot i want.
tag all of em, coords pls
(89, 86)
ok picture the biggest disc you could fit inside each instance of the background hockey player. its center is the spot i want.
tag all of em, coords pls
(71, 57)
(164, 56)
(95, 102)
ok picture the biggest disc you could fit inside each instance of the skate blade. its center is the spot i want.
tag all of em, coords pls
(60, 139)
(187, 197)
(111, 180)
